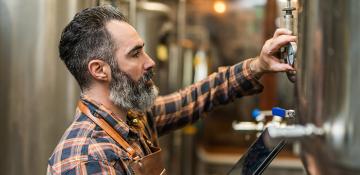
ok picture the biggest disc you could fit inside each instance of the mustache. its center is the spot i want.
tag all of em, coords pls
(147, 76)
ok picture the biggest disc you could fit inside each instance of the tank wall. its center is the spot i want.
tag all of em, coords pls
(38, 95)
(328, 83)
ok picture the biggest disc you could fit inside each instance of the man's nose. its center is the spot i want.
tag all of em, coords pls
(150, 63)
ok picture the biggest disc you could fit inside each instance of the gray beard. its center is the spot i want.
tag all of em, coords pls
(130, 95)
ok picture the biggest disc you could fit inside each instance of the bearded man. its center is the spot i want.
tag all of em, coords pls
(119, 115)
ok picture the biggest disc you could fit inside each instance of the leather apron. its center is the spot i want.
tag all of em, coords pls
(151, 164)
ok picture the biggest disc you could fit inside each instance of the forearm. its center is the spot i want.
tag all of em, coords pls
(186, 106)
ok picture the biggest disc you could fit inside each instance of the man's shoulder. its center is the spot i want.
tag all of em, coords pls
(83, 141)
(73, 145)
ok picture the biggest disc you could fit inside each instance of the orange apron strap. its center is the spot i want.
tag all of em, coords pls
(108, 129)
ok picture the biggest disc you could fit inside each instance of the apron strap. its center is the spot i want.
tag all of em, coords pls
(108, 129)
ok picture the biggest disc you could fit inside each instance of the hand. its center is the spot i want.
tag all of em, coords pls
(269, 60)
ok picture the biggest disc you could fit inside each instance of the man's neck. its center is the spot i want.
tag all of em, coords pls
(101, 95)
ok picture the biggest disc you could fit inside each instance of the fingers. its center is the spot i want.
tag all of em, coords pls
(268, 56)
(282, 67)
(282, 31)
(280, 41)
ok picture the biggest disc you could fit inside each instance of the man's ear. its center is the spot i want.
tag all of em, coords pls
(99, 70)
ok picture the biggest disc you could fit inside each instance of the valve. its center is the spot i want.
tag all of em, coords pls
(278, 116)
(283, 113)
(288, 52)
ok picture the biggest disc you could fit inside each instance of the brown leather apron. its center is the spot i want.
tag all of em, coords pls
(151, 164)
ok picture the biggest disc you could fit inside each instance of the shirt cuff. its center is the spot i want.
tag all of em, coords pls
(249, 79)
(248, 73)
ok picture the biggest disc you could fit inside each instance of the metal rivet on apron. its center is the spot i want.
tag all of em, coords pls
(148, 142)
(135, 121)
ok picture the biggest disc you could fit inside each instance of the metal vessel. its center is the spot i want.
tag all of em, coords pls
(38, 95)
(328, 83)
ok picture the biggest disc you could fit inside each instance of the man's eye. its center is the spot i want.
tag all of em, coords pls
(137, 54)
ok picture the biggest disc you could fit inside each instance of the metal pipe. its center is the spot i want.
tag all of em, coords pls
(132, 12)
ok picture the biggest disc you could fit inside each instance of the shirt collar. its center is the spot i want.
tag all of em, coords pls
(100, 110)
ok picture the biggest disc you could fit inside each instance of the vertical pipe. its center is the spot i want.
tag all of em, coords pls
(185, 140)
(182, 19)
(132, 12)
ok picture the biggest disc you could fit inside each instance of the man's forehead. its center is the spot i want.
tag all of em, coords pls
(124, 34)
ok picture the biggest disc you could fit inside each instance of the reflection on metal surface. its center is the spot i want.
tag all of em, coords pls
(154, 7)
(38, 94)
(328, 83)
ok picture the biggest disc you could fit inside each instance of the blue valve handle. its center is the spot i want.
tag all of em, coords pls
(255, 113)
(279, 112)
(259, 115)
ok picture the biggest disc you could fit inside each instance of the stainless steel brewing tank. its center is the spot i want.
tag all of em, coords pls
(37, 94)
(328, 84)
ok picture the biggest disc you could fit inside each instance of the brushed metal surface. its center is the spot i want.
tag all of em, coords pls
(38, 95)
(328, 83)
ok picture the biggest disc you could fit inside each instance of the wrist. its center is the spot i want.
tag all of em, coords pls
(254, 68)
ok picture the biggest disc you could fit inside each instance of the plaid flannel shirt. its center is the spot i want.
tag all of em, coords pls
(86, 149)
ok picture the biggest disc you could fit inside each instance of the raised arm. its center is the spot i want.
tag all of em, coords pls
(186, 106)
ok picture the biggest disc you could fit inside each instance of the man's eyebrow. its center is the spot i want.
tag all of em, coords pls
(135, 48)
